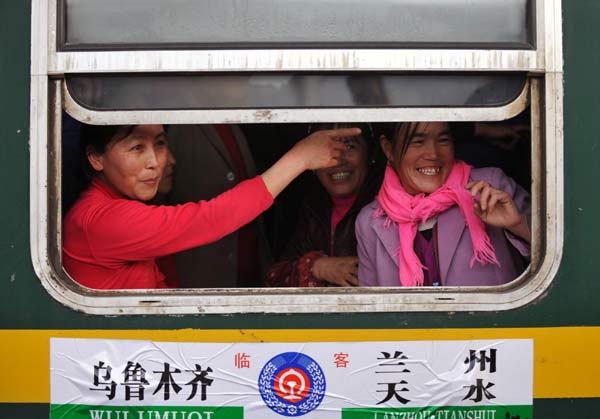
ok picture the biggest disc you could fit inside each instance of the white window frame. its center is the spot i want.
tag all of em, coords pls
(49, 98)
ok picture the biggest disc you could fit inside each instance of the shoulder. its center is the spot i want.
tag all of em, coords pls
(499, 180)
(489, 174)
(95, 209)
(494, 176)
(366, 215)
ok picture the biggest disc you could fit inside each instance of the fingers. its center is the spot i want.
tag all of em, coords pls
(336, 153)
(476, 186)
(342, 132)
(351, 281)
(341, 271)
(352, 272)
(494, 206)
(488, 195)
(498, 196)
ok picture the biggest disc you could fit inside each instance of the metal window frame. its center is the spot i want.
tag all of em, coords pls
(443, 59)
(48, 98)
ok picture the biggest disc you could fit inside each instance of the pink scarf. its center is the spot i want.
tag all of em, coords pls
(408, 210)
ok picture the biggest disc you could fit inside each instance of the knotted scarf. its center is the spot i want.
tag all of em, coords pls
(408, 211)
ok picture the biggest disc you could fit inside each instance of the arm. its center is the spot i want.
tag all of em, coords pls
(318, 150)
(126, 230)
(506, 205)
(295, 272)
(367, 274)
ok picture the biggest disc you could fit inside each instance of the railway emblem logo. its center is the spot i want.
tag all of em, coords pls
(292, 384)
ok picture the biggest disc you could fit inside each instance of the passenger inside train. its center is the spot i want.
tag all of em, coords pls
(112, 237)
(299, 223)
(438, 221)
(322, 250)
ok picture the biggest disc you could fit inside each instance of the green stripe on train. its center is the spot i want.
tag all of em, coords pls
(75, 411)
(441, 412)
(81, 411)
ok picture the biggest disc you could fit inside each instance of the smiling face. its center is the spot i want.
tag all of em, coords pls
(424, 163)
(346, 179)
(133, 165)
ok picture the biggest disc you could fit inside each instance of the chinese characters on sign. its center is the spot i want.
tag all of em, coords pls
(479, 390)
(340, 360)
(134, 381)
(242, 360)
(393, 373)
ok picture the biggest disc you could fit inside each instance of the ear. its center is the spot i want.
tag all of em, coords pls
(387, 148)
(95, 160)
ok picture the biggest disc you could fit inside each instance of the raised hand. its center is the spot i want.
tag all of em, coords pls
(318, 150)
(497, 208)
(323, 148)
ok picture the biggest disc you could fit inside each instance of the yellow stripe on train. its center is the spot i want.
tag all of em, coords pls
(564, 363)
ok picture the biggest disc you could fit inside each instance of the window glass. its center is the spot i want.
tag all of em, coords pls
(204, 165)
(263, 23)
(264, 90)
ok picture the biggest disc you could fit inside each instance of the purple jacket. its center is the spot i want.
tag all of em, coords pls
(378, 245)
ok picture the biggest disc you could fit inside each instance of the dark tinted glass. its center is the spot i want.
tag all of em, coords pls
(110, 24)
(264, 90)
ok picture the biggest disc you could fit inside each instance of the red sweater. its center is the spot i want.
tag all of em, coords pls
(110, 242)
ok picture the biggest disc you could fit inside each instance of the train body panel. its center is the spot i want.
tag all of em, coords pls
(563, 322)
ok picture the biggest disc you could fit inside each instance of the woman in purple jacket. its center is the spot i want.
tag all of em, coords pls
(438, 221)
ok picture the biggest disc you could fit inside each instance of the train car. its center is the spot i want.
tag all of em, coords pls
(520, 350)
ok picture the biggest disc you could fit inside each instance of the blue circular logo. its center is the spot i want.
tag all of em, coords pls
(292, 384)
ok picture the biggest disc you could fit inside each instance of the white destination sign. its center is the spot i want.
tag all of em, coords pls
(127, 379)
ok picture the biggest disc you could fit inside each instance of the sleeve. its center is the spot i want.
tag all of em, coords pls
(367, 274)
(295, 267)
(522, 200)
(295, 273)
(126, 230)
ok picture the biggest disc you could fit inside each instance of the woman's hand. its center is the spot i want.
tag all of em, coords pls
(342, 271)
(318, 150)
(323, 148)
(497, 208)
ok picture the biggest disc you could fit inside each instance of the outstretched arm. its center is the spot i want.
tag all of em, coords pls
(318, 150)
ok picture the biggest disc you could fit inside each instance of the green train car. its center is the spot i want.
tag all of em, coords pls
(274, 67)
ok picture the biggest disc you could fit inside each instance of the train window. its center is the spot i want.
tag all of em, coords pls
(274, 90)
(312, 23)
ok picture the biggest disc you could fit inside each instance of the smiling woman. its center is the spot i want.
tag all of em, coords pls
(322, 250)
(112, 236)
(414, 233)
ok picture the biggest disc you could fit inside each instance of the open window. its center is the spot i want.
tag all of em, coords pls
(283, 70)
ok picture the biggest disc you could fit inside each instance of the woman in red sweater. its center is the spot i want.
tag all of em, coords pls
(111, 237)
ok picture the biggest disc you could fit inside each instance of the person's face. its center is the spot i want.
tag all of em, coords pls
(134, 165)
(166, 181)
(346, 178)
(428, 159)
